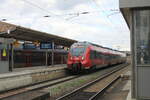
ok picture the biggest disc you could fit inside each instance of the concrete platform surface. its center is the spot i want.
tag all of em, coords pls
(25, 71)
(28, 77)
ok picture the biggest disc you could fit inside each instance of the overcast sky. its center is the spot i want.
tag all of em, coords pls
(103, 25)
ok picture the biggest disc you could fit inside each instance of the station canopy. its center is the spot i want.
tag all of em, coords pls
(126, 14)
(21, 33)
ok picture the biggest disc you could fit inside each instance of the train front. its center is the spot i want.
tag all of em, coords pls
(77, 57)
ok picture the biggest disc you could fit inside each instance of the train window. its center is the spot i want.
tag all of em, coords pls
(115, 56)
(107, 56)
(95, 52)
(101, 56)
(92, 54)
(110, 57)
(77, 51)
(97, 55)
(142, 32)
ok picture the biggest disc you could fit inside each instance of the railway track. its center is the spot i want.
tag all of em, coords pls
(35, 87)
(94, 89)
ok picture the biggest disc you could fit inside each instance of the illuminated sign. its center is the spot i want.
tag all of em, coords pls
(46, 45)
(29, 46)
(16, 44)
(59, 47)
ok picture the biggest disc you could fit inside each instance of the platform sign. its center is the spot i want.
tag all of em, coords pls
(4, 61)
(29, 46)
(46, 45)
(58, 47)
(3, 55)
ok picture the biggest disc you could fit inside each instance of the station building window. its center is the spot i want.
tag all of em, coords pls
(141, 29)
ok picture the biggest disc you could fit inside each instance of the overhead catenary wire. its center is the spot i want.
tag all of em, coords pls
(107, 19)
(115, 11)
(100, 7)
(39, 7)
(50, 14)
(77, 14)
(71, 15)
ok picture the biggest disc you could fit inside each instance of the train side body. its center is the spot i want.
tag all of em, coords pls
(85, 56)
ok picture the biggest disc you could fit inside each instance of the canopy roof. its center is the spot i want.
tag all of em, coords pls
(126, 7)
(21, 33)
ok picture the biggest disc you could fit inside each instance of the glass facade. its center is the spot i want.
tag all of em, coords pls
(141, 28)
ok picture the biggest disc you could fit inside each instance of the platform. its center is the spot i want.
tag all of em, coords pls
(121, 90)
(128, 87)
(53, 67)
(29, 76)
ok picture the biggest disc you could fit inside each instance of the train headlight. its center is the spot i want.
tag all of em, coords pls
(82, 58)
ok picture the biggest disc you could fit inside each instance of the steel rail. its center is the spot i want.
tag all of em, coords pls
(101, 92)
(74, 92)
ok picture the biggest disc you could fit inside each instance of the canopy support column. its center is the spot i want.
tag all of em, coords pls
(12, 57)
(46, 59)
(53, 45)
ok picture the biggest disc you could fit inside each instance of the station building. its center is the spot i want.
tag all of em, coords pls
(22, 47)
(137, 16)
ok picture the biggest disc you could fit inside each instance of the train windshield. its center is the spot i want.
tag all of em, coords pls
(77, 51)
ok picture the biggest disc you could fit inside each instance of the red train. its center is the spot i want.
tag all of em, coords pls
(85, 56)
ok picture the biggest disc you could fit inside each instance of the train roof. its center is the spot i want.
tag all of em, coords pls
(89, 43)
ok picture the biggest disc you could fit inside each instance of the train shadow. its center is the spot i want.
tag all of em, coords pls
(90, 71)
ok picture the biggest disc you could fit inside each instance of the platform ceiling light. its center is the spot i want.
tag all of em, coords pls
(8, 31)
(16, 43)
(37, 43)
